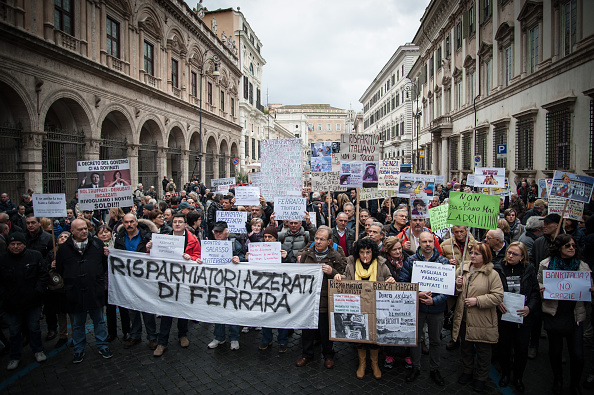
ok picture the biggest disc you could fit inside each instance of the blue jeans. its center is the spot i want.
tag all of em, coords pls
(15, 321)
(149, 324)
(165, 328)
(79, 336)
(282, 337)
(219, 332)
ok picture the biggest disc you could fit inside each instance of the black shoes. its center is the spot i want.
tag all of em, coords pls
(465, 378)
(478, 385)
(519, 385)
(558, 386)
(413, 374)
(452, 345)
(436, 377)
(504, 381)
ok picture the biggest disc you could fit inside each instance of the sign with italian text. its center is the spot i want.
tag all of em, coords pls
(567, 285)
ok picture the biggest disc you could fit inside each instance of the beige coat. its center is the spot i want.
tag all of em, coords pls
(481, 320)
(446, 247)
(383, 272)
(550, 306)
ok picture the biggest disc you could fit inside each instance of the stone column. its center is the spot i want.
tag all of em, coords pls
(103, 34)
(32, 160)
(92, 149)
(185, 166)
(133, 160)
(141, 54)
(48, 21)
(445, 171)
(434, 155)
(215, 166)
(83, 29)
(161, 163)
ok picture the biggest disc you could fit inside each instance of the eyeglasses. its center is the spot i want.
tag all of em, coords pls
(513, 253)
(569, 245)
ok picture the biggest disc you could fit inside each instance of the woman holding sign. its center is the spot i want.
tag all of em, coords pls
(367, 265)
(479, 291)
(517, 278)
(563, 318)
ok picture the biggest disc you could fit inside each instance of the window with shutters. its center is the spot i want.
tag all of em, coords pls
(499, 137)
(458, 35)
(448, 46)
(533, 50)
(466, 151)
(454, 141)
(471, 21)
(486, 10)
(524, 143)
(507, 65)
(174, 73)
(569, 26)
(193, 84)
(209, 93)
(246, 88)
(558, 132)
(232, 107)
(251, 93)
(64, 16)
(222, 100)
(149, 59)
(438, 53)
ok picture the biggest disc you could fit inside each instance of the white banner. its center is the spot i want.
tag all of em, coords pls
(389, 175)
(265, 252)
(50, 205)
(567, 285)
(247, 196)
(216, 252)
(434, 277)
(275, 296)
(215, 183)
(289, 208)
(513, 302)
(167, 246)
(235, 220)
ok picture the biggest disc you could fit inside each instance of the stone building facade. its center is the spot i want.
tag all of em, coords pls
(114, 79)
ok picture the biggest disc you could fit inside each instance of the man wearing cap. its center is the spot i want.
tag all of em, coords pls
(537, 210)
(146, 209)
(533, 232)
(81, 262)
(221, 232)
(185, 208)
(23, 280)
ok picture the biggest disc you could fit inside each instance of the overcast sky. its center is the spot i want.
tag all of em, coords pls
(325, 51)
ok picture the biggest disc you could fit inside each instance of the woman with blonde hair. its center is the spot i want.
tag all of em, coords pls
(341, 200)
(504, 226)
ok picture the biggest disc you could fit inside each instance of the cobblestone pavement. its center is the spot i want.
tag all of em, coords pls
(198, 369)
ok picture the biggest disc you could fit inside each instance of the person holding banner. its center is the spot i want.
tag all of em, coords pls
(366, 264)
(564, 318)
(431, 309)
(479, 292)
(520, 278)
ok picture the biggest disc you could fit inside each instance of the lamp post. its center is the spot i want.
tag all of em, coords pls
(216, 61)
(410, 86)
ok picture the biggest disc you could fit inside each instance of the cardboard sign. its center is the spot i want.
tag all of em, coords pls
(247, 196)
(389, 175)
(513, 302)
(572, 186)
(473, 209)
(439, 217)
(434, 277)
(374, 193)
(216, 252)
(359, 147)
(289, 208)
(50, 205)
(373, 312)
(567, 285)
(325, 181)
(282, 167)
(574, 209)
(167, 246)
(265, 252)
(235, 220)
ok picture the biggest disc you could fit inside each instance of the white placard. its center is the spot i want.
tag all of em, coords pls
(513, 302)
(567, 285)
(50, 205)
(282, 167)
(167, 246)
(440, 180)
(489, 177)
(247, 196)
(389, 175)
(265, 252)
(235, 220)
(313, 218)
(289, 208)
(216, 252)
(215, 183)
(228, 294)
(434, 277)
(347, 303)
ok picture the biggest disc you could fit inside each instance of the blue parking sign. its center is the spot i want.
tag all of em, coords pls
(501, 151)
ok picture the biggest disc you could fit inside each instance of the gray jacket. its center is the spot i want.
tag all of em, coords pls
(298, 241)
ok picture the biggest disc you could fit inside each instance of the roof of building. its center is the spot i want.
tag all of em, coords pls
(309, 107)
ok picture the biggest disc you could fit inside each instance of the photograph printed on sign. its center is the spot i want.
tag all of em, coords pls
(572, 186)
(396, 317)
(489, 177)
(350, 326)
(370, 176)
(419, 208)
(351, 174)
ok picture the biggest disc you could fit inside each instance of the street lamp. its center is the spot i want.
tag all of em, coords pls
(216, 61)
(410, 86)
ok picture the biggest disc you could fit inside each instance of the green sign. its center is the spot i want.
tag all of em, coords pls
(473, 209)
(439, 217)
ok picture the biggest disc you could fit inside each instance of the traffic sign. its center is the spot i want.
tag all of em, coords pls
(501, 151)
(235, 161)
(478, 161)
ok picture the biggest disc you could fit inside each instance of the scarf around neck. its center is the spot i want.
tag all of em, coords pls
(366, 274)
(558, 263)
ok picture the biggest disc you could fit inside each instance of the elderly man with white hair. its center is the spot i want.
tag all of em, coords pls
(533, 232)
(496, 241)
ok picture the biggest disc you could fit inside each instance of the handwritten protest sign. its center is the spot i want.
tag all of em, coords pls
(104, 184)
(289, 208)
(470, 180)
(282, 167)
(313, 219)
(216, 251)
(373, 312)
(389, 175)
(235, 220)
(264, 252)
(473, 209)
(255, 179)
(374, 193)
(567, 285)
(573, 211)
(572, 186)
(359, 147)
(513, 302)
(489, 177)
(325, 181)
(49, 205)
(434, 277)
(247, 196)
(439, 217)
(167, 246)
(217, 182)
(275, 296)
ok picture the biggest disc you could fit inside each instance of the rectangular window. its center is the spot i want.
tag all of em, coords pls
(466, 151)
(471, 21)
(486, 10)
(253, 148)
(432, 66)
(480, 145)
(458, 95)
(63, 16)
(488, 77)
(174, 71)
(251, 99)
(149, 61)
(459, 35)
(223, 100)
(471, 87)
(448, 46)
(338, 127)
(438, 58)
(245, 87)
(209, 93)
(507, 69)
(533, 48)
(113, 38)
(258, 97)
(499, 137)
(328, 127)
(319, 127)
(232, 107)
(193, 84)
(558, 139)
(524, 144)
(454, 141)
(569, 22)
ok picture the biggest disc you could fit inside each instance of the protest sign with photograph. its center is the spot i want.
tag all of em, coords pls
(167, 246)
(389, 175)
(104, 184)
(574, 209)
(434, 277)
(50, 205)
(419, 206)
(235, 220)
(264, 252)
(373, 312)
(420, 185)
(473, 209)
(438, 216)
(351, 173)
(289, 208)
(567, 285)
(216, 252)
(489, 177)
(360, 147)
(321, 157)
(282, 167)
(544, 186)
(513, 302)
(572, 186)
(274, 296)
(247, 196)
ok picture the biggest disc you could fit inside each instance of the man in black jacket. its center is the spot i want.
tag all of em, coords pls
(37, 239)
(82, 263)
(23, 279)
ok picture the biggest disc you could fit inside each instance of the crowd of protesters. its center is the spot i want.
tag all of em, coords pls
(63, 277)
